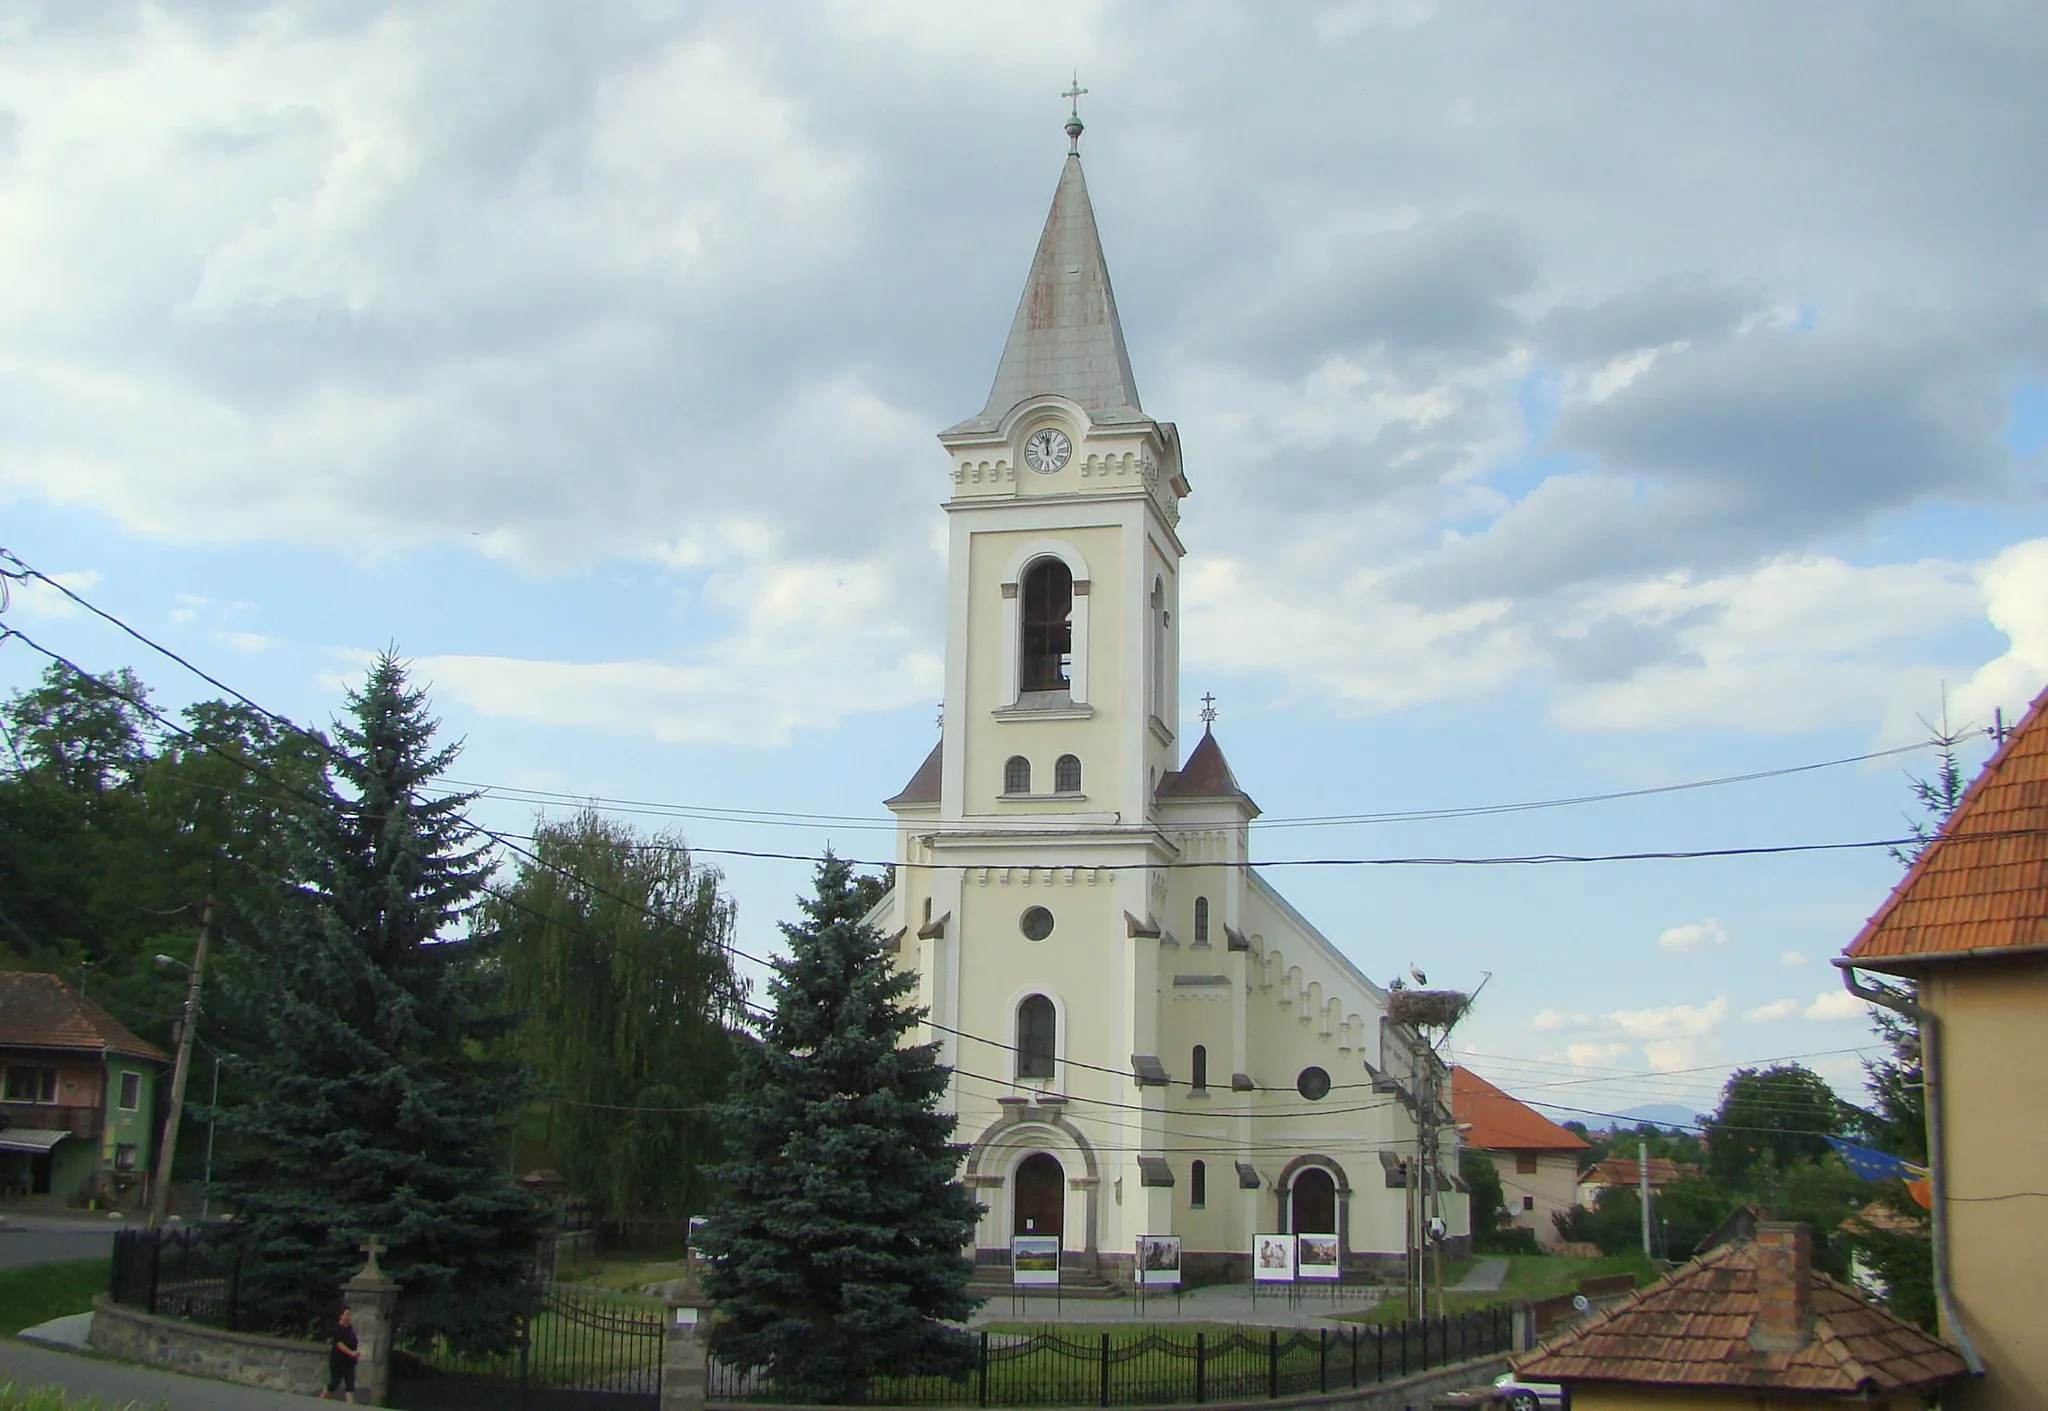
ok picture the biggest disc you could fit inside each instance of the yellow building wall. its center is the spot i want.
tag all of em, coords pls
(1553, 1187)
(1994, 1077)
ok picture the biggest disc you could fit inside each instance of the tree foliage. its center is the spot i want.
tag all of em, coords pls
(618, 953)
(839, 1242)
(1786, 1112)
(374, 1107)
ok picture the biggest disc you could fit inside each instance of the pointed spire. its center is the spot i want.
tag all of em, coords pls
(1066, 340)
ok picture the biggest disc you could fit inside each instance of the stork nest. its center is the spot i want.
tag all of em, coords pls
(1427, 1009)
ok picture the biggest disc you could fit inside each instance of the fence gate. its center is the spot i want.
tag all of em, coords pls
(577, 1351)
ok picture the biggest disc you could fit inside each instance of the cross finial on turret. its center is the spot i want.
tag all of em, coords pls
(1208, 711)
(1074, 124)
(373, 1246)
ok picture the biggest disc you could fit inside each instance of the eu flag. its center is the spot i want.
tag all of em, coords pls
(1874, 1165)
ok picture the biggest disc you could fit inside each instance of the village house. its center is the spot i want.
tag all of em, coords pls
(1628, 1171)
(1538, 1160)
(77, 1097)
(1966, 931)
(1746, 1325)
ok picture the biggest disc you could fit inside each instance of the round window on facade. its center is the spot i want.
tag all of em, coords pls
(1313, 1084)
(1037, 925)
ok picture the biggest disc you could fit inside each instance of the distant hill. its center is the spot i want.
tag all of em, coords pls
(1660, 1114)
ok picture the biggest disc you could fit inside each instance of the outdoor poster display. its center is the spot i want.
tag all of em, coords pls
(1035, 1260)
(1273, 1259)
(1315, 1256)
(1159, 1261)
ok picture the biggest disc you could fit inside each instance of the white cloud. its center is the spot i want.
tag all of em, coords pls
(1791, 958)
(1693, 938)
(1590, 1054)
(1546, 1019)
(1836, 1004)
(1672, 1020)
(1669, 1055)
(1769, 1013)
(39, 602)
(2016, 602)
(247, 641)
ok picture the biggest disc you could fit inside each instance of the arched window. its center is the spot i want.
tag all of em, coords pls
(1201, 921)
(1201, 1066)
(1017, 775)
(1037, 1034)
(1198, 1185)
(1047, 648)
(1066, 774)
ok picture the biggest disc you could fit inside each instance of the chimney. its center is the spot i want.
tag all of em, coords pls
(1784, 1287)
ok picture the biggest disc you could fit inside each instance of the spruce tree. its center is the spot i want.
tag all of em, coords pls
(378, 1108)
(838, 1248)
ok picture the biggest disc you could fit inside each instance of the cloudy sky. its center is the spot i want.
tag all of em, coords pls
(1577, 400)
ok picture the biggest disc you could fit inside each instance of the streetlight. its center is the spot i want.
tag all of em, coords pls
(160, 1187)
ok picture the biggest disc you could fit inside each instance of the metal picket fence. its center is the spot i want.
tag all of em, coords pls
(1152, 1368)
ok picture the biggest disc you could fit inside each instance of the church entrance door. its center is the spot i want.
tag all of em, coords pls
(1315, 1203)
(1041, 1207)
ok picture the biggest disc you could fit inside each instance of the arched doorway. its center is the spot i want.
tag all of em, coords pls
(1041, 1199)
(1314, 1202)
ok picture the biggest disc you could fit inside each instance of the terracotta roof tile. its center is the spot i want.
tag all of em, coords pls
(1500, 1123)
(1626, 1171)
(1982, 884)
(41, 1011)
(1204, 775)
(924, 785)
(1691, 1328)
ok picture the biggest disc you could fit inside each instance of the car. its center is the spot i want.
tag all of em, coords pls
(1529, 1396)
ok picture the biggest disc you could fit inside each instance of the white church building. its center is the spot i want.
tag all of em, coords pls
(1147, 1038)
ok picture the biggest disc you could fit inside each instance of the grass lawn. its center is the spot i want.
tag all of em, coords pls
(15, 1398)
(41, 1292)
(625, 1277)
(1529, 1276)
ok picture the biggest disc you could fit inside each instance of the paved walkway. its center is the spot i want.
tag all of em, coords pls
(1484, 1277)
(1317, 1307)
(39, 1239)
(118, 1383)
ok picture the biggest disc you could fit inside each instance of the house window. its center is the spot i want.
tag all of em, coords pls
(1198, 1182)
(1017, 775)
(1201, 921)
(1037, 1032)
(1047, 648)
(31, 1084)
(1201, 1067)
(1066, 774)
(1528, 1202)
(124, 1156)
(1525, 1163)
(131, 1091)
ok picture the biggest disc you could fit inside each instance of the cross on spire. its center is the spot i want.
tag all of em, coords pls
(1074, 124)
(373, 1246)
(1208, 711)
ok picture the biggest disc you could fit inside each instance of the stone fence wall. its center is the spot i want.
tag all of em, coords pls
(276, 1364)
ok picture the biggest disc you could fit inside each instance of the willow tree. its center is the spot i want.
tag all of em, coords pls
(618, 949)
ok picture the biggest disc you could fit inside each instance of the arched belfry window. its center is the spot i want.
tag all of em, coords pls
(1158, 693)
(1201, 921)
(1046, 648)
(1037, 1037)
(1201, 1067)
(1066, 774)
(1017, 775)
(1198, 1185)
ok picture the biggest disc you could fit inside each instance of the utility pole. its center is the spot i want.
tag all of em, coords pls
(1643, 1189)
(160, 1187)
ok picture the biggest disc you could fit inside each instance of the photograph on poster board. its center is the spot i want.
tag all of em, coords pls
(1159, 1261)
(1273, 1259)
(1035, 1259)
(1315, 1256)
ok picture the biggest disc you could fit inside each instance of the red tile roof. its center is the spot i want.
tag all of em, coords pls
(1981, 887)
(41, 1011)
(1204, 775)
(924, 785)
(1627, 1171)
(1691, 1329)
(1498, 1122)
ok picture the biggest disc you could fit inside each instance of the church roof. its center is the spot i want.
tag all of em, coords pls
(1066, 340)
(1981, 887)
(1204, 775)
(923, 787)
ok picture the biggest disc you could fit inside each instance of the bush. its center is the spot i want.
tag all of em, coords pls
(1513, 1240)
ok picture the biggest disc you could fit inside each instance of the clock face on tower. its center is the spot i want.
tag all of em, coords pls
(1047, 449)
